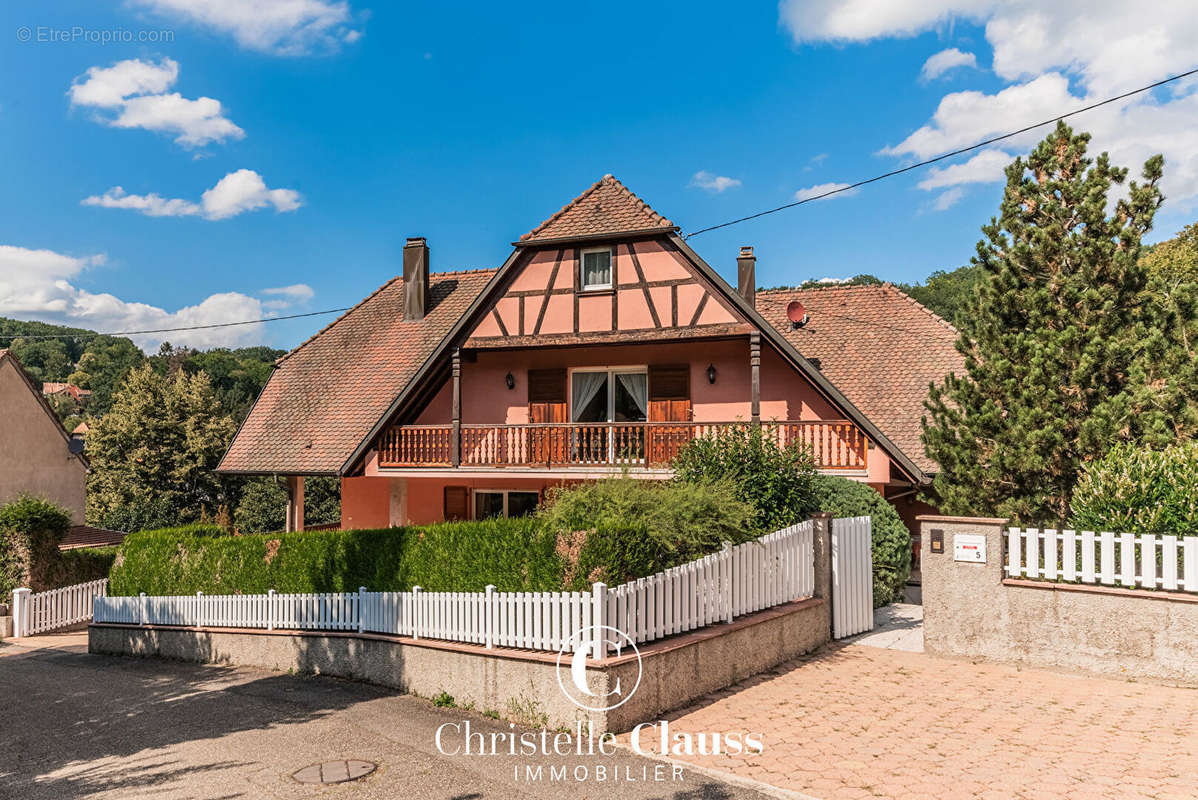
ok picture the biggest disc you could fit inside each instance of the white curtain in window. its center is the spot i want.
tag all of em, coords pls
(596, 269)
(586, 386)
(637, 386)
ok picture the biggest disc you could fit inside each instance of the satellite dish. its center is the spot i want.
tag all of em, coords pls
(796, 312)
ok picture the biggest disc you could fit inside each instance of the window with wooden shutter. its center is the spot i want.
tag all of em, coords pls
(547, 385)
(456, 503)
(670, 382)
(669, 401)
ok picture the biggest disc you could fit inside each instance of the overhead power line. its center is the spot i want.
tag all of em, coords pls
(957, 152)
(13, 335)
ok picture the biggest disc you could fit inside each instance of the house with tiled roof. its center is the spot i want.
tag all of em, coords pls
(601, 346)
(37, 455)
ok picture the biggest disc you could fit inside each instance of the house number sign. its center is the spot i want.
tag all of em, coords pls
(969, 547)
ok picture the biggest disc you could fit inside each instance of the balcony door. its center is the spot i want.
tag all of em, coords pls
(607, 406)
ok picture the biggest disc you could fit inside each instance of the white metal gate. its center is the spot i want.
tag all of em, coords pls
(852, 577)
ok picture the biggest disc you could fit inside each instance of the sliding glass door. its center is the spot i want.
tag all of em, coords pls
(606, 406)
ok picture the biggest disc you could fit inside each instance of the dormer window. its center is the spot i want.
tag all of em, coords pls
(596, 269)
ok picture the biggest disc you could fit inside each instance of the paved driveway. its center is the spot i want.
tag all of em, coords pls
(76, 725)
(859, 722)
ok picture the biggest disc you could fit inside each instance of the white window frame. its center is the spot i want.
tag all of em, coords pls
(611, 386)
(504, 492)
(611, 270)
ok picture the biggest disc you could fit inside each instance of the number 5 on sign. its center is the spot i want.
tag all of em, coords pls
(969, 547)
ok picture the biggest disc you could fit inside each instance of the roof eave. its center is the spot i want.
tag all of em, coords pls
(639, 233)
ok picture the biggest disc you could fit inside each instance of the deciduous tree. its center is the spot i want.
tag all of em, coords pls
(153, 454)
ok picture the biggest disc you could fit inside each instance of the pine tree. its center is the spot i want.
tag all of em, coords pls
(1062, 348)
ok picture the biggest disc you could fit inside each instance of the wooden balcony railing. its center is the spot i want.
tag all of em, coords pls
(834, 444)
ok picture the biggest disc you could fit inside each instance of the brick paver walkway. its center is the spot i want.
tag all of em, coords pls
(859, 722)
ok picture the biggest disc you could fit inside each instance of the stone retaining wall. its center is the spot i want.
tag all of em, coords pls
(520, 685)
(973, 610)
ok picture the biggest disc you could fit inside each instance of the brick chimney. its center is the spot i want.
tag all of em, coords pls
(415, 278)
(746, 275)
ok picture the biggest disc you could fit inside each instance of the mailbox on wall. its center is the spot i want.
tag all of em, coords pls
(969, 547)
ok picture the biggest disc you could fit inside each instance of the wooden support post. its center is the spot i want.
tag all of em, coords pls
(295, 503)
(455, 443)
(755, 369)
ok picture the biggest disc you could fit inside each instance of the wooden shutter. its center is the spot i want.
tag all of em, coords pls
(670, 393)
(457, 503)
(547, 404)
(669, 401)
(547, 386)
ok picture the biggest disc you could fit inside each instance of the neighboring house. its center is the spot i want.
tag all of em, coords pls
(37, 455)
(602, 345)
(80, 396)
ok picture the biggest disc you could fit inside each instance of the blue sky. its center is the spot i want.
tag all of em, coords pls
(341, 128)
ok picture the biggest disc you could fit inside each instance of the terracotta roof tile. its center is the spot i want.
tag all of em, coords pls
(607, 207)
(325, 396)
(876, 345)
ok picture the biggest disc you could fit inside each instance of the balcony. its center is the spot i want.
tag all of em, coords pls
(836, 445)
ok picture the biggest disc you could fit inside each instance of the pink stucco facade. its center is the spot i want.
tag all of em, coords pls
(659, 309)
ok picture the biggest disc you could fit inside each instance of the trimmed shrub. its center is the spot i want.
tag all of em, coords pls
(891, 539)
(1135, 490)
(622, 528)
(777, 482)
(513, 554)
(30, 531)
(85, 564)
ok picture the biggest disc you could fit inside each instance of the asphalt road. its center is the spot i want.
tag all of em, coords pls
(78, 725)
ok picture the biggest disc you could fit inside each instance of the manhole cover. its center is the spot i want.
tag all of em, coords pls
(335, 771)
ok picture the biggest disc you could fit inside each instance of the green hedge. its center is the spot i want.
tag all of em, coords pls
(87, 564)
(30, 531)
(1135, 490)
(515, 555)
(891, 538)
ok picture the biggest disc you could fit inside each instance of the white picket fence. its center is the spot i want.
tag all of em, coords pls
(1147, 561)
(852, 576)
(40, 612)
(738, 580)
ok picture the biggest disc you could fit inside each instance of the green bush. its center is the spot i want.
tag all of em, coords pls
(85, 564)
(891, 539)
(622, 528)
(263, 504)
(513, 554)
(777, 482)
(1139, 491)
(30, 531)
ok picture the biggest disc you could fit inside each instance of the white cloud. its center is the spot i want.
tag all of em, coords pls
(236, 193)
(244, 190)
(709, 181)
(298, 292)
(39, 284)
(135, 94)
(281, 27)
(107, 87)
(946, 200)
(985, 167)
(822, 188)
(1104, 46)
(946, 60)
(152, 205)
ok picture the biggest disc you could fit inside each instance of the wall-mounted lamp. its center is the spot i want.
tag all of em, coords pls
(510, 380)
(711, 373)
